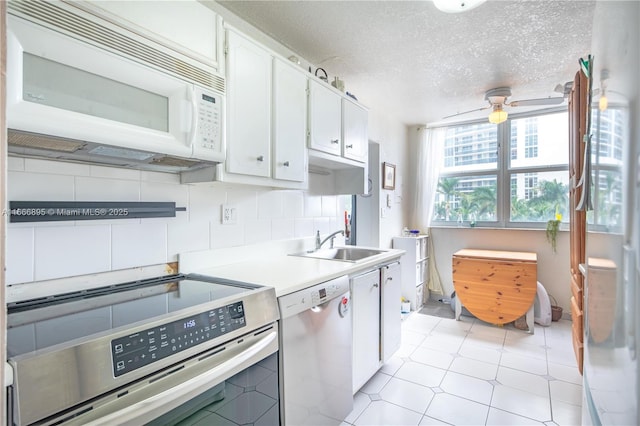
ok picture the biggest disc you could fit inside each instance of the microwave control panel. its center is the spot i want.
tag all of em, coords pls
(209, 127)
(137, 350)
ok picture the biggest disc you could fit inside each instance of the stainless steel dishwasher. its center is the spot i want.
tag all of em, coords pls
(316, 343)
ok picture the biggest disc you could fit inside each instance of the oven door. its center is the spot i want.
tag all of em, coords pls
(235, 383)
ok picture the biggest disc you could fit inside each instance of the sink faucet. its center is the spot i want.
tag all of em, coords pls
(331, 237)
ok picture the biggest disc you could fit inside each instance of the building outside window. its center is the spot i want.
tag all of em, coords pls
(511, 174)
(606, 168)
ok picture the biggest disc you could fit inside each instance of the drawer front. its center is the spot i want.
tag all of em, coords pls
(424, 247)
(421, 267)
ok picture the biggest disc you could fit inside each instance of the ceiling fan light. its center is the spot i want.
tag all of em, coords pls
(603, 103)
(456, 6)
(498, 115)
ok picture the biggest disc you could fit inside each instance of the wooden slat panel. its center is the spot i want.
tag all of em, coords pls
(576, 291)
(576, 318)
(495, 291)
(578, 349)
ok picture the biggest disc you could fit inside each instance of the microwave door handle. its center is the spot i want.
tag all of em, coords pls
(190, 109)
(163, 402)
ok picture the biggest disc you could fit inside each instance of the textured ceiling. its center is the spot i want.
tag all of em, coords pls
(411, 61)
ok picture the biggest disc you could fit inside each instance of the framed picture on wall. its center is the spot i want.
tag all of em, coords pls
(388, 176)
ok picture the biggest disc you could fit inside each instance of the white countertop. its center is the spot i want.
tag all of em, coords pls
(287, 274)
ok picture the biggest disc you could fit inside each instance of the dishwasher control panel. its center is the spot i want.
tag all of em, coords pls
(308, 298)
(137, 350)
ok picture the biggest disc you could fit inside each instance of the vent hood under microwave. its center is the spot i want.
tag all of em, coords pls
(70, 97)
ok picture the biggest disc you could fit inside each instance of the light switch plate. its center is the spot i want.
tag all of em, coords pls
(229, 214)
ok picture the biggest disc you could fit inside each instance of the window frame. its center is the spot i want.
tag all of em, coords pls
(504, 173)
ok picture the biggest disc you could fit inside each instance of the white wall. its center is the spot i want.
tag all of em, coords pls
(553, 268)
(391, 135)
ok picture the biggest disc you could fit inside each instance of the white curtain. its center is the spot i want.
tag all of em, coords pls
(430, 151)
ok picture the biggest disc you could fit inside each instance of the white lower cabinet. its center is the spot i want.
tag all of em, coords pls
(375, 298)
(390, 309)
(365, 297)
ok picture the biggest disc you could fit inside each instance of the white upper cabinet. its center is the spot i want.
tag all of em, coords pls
(325, 119)
(186, 26)
(248, 107)
(289, 122)
(355, 144)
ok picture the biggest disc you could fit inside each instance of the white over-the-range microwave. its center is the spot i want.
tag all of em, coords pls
(70, 98)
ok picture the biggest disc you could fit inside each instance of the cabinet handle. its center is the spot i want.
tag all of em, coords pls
(286, 164)
(260, 158)
(335, 140)
(349, 146)
(375, 285)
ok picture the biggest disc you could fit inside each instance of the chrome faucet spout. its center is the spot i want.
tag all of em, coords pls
(330, 237)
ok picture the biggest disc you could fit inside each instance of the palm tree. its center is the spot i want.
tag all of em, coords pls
(447, 187)
(553, 196)
(484, 200)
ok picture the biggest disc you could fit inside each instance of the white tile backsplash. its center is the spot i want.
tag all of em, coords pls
(282, 229)
(257, 231)
(103, 189)
(270, 205)
(312, 206)
(39, 186)
(205, 203)
(223, 236)
(293, 202)
(329, 205)
(303, 228)
(183, 237)
(63, 251)
(56, 167)
(49, 250)
(246, 201)
(136, 245)
(20, 261)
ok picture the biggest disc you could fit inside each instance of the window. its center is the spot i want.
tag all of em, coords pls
(523, 184)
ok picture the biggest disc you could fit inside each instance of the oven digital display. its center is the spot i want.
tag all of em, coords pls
(139, 349)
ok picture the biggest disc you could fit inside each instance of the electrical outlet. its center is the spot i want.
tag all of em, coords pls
(229, 214)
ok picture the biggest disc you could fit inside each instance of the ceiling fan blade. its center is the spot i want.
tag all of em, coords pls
(466, 112)
(541, 101)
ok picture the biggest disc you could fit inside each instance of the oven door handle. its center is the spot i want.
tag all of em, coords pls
(163, 402)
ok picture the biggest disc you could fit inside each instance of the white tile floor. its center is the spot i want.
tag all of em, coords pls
(471, 373)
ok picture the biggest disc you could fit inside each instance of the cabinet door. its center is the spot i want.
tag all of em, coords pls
(289, 122)
(325, 119)
(248, 107)
(390, 309)
(355, 140)
(365, 299)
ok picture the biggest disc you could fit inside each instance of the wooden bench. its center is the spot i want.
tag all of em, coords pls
(495, 286)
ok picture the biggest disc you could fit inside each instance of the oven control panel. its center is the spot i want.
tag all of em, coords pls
(136, 350)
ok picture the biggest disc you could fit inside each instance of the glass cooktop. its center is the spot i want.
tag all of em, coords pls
(41, 323)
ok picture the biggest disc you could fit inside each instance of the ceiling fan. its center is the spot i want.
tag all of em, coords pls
(497, 99)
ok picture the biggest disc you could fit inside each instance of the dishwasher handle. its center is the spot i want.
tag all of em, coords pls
(163, 402)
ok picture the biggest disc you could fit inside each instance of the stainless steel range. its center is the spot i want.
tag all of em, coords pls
(151, 351)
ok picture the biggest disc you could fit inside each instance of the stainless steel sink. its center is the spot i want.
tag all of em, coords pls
(344, 254)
